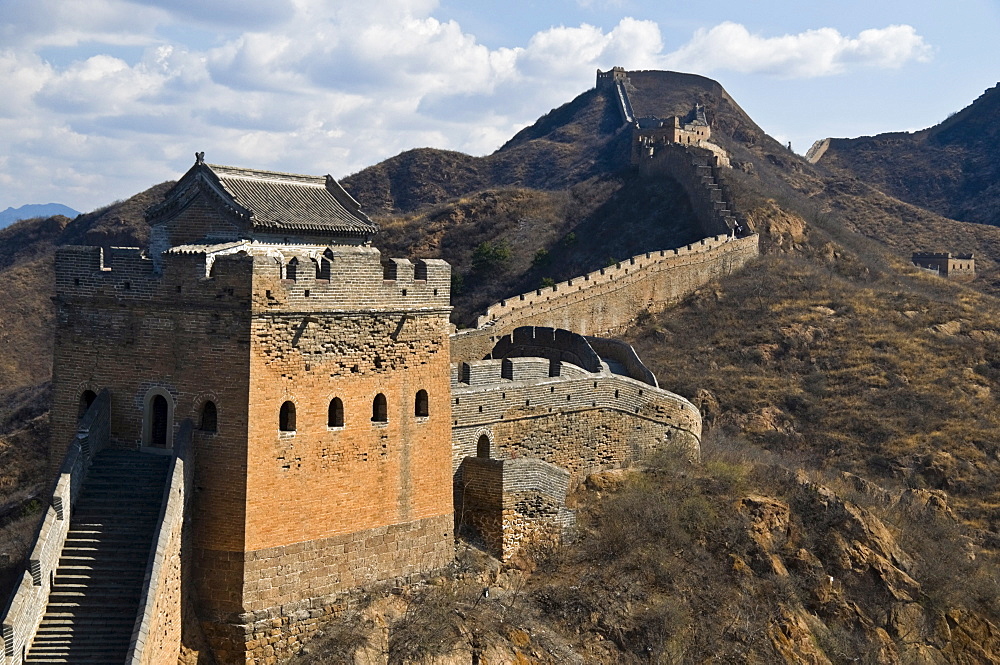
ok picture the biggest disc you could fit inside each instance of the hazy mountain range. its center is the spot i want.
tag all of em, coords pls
(30, 210)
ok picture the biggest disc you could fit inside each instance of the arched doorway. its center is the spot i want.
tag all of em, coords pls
(483, 446)
(158, 432)
(86, 399)
(158, 419)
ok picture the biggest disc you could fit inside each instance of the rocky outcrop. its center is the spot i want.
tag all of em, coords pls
(863, 586)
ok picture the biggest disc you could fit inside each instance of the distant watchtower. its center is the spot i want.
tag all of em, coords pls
(609, 78)
(959, 267)
(317, 380)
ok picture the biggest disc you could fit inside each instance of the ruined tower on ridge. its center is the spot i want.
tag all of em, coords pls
(314, 380)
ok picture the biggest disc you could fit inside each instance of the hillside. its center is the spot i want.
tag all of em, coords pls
(829, 356)
(950, 168)
(570, 144)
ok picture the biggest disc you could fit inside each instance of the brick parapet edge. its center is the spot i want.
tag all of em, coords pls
(27, 604)
(156, 637)
(665, 277)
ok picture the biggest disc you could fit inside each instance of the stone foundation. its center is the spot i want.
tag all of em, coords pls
(290, 590)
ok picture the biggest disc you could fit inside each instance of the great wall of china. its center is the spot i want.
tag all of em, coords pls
(302, 395)
(606, 301)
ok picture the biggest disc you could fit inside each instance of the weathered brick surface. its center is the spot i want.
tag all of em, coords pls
(511, 504)
(580, 422)
(279, 517)
(157, 640)
(299, 586)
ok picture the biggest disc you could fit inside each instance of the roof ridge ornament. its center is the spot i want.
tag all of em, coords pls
(199, 158)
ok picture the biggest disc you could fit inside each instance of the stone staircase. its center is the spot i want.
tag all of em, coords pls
(96, 592)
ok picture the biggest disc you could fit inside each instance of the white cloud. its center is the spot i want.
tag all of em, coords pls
(317, 86)
(812, 53)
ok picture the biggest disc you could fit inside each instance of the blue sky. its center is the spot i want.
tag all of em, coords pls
(104, 98)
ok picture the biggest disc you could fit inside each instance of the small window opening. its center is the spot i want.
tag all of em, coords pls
(286, 417)
(380, 412)
(421, 408)
(335, 414)
(292, 269)
(209, 418)
(483, 446)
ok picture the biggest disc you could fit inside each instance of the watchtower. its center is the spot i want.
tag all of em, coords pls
(611, 77)
(317, 380)
(958, 267)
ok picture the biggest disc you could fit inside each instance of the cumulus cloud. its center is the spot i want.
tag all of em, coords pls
(317, 86)
(812, 53)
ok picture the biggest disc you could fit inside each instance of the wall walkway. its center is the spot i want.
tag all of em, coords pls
(606, 301)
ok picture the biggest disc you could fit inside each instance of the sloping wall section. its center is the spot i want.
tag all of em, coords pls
(606, 301)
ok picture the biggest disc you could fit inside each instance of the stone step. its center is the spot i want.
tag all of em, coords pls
(69, 620)
(97, 586)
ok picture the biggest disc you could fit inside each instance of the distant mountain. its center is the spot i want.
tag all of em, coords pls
(568, 145)
(31, 210)
(952, 168)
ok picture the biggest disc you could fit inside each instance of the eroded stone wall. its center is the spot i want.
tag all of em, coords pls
(512, 504)
(294, 588)
(159, 638)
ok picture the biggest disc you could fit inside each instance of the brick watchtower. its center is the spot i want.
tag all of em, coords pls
(317, 380)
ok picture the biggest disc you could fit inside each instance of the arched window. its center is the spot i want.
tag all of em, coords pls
(380, 413)
(335, 414)
(86, 399)
(420, 408)
(483, 446)
(286, 417)
(292, 269)
(209, 418)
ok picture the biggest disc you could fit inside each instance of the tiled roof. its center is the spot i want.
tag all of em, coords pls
(269, 201)
(289, 202)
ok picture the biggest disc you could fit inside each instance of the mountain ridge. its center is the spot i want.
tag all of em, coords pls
(829, 354)
(949, 168)
(30, 210)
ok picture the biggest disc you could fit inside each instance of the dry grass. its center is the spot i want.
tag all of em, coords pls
(889, 375)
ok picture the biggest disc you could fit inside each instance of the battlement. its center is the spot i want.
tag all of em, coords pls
(628, 270)
(581, 421)
(304, 277)
(479, 373)
(611, 77)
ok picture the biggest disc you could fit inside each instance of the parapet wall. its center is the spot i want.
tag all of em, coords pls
(696, 171)
(581, 422)
(606, 301)
(156, 636)
(26, 608)
(307, 278)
